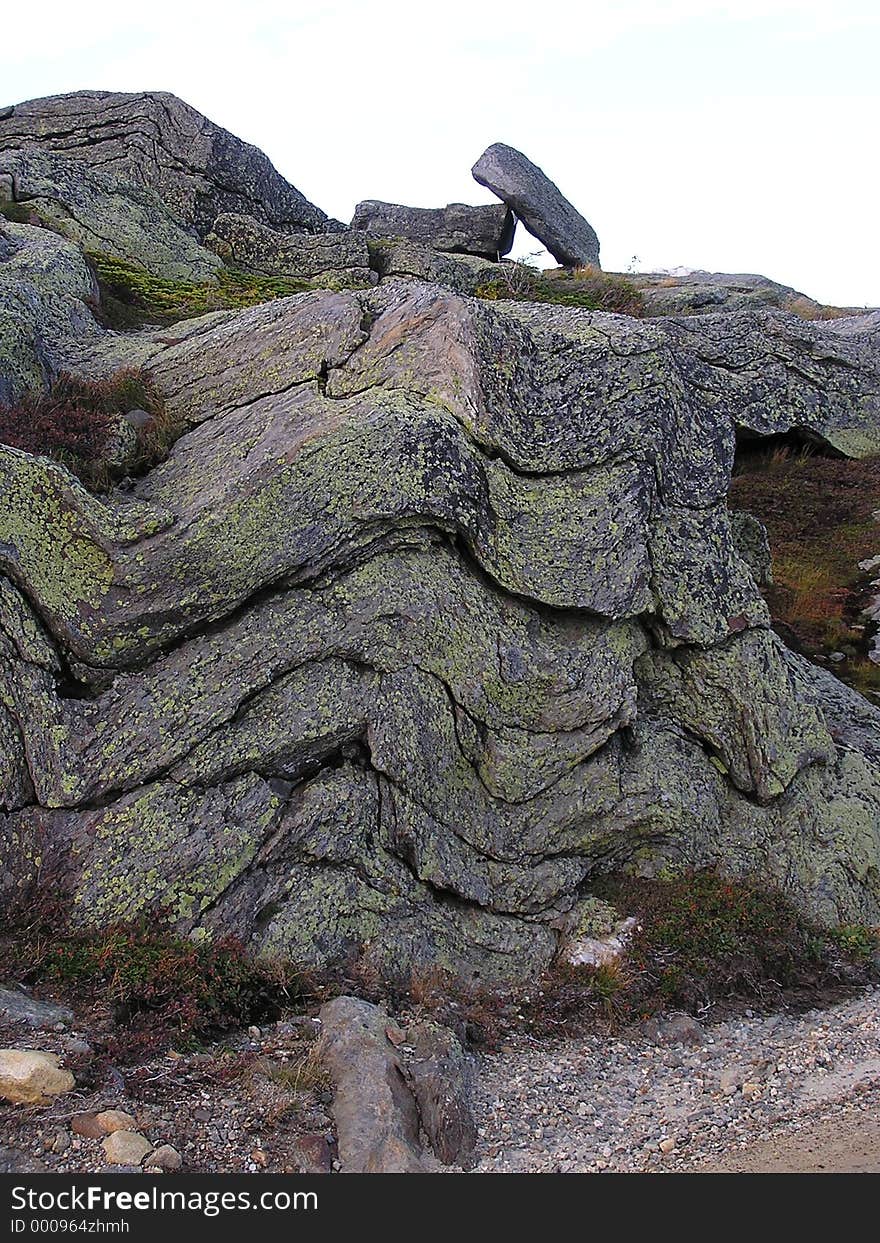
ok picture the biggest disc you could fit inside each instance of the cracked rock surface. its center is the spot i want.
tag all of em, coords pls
(433, 613)
(154, 140)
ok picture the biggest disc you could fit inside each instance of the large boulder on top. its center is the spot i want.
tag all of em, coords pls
(486, 232)
(155, 140)
(539, 204)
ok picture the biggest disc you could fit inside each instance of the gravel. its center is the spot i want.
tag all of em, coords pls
(596, 1104)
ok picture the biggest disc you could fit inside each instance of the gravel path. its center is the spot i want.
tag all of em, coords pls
(810, 1082)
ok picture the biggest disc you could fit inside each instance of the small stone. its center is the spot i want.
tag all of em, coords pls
(110, 1120)
(751, 1089)
(87, 1125)
(164, 1158)
(31, 1077)
(667, 1145)
(259, 1156)
(61, 1142)
(126, 1148)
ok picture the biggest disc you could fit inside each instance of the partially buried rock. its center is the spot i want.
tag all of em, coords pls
(485, 231)
(164, 1158)
(666, 1029)
(376, 1116)
(22, 1008)
(539, 204)
(30, 1077)
(441, 1076)
(126, 1148)
(110, 1120)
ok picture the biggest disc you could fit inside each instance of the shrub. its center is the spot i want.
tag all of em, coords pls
(73, 423)
(159, 989)
(588, 287)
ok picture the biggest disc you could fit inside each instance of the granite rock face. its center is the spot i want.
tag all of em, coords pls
(46, 292)
(486, 232)
(539, 204)
(156, 141)
(434, 613)
(100, 212)
(327, 257)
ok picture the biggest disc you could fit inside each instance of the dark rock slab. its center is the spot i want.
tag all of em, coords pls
(539, 204)
(441, 1076)
(154, 139)
(486, 232)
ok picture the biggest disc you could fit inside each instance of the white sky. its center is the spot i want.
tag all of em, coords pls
(739, 137)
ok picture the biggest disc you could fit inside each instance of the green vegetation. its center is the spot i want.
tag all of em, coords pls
(131, 297)
(819, 515)
(154, 989)
(76, 420)
(590, 288)
(702, 942)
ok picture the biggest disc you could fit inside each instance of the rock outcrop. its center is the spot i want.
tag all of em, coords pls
(539, 204)
(245, 243)
(486, 232)
(434, 613)
(155, 140)
(46, 295)
(100, 212)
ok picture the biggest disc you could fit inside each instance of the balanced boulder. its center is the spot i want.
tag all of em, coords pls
(483, 231)
(539, 204)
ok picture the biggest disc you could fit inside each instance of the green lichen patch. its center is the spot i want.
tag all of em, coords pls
(131, 297)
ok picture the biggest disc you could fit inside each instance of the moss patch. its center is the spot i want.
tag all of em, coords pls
(131, 297)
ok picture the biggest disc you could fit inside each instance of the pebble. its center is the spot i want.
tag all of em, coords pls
(591, 1104)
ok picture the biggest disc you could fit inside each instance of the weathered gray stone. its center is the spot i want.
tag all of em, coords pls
(708, 293)
(441, 1076)
(434, 610)
(46, 290)
(486, 232)
(22, 1008)
(402, 258)
(339, 260)
(752, 543)
(155, 140)
(100, 212)
(377, 1122)
(539, 204)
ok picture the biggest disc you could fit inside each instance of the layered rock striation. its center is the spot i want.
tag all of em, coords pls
(434, 614)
